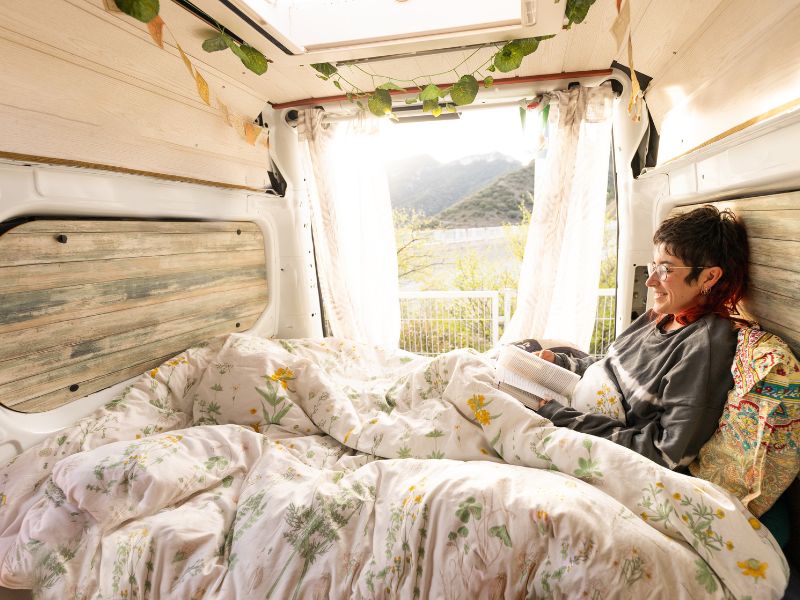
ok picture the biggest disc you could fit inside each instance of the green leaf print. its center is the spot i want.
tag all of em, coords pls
(587, 467)
(467, 508)
(314, 528)
(705, 576)
(227, 481)
(501, 532)
(216, 462)
(271, 396)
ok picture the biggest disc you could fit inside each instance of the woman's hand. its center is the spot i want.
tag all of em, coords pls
(546, 355)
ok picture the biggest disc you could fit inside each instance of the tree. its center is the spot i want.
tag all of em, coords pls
(413, 230)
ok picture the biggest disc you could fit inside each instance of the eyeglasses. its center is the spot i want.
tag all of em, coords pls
(663, 270)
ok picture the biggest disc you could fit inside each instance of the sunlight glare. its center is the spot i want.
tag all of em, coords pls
(477, 132)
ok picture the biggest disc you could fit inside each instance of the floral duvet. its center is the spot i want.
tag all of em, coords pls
(254, 468)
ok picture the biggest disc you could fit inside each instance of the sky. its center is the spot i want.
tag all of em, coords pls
(478, 131)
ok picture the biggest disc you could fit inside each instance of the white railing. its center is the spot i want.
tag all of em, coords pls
(436, 322)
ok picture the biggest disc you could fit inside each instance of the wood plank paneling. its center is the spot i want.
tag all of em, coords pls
(773, 228)
(116, 299)
(117, 99)
(52, 275)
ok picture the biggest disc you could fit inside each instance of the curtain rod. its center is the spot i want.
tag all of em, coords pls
(415, 90)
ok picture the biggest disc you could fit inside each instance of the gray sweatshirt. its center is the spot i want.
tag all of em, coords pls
(673, 386)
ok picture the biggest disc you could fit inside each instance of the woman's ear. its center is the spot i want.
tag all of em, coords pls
(711, 277)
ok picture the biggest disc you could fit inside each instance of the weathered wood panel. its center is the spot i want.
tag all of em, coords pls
(773, 226)
(116, 298)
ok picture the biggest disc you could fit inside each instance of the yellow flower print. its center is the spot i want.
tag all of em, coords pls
(660, 485)
(483, 417)
(484, 451)
(253, 411)
(154, 372)
(282, 376)
(752, 568)
(720, 513)
(729, 545)
(3, 499)
(644, 517)
(412, 488)
(373, 421)
(754, 523)
(476, 402)
(418, 498)
(347, 435)
(676, 495)
(256, 427)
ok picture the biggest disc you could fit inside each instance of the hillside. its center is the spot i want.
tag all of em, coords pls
(494, 204)
(424, 184)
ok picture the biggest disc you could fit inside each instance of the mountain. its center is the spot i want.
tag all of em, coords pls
(494, 204)
(423, 183)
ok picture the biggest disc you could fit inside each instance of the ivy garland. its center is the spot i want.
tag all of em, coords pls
(508, 58)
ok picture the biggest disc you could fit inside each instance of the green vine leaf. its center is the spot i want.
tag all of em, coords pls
(491, 68)
(380, 103)
(430, 93)
(337, 84)
(390, 85)
(527, 45)
(252, 59)
(413, 100)
(142, 10)
(432, 106)
(216, 43)
(464, 91)
(576, 11)
(327, 69)
(509, 58)
(488, 82)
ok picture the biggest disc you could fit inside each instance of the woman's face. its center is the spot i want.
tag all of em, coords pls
(673, 295)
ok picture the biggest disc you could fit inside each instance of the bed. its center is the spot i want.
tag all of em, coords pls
(246, 467)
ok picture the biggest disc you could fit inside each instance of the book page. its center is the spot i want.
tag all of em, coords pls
(532, 368)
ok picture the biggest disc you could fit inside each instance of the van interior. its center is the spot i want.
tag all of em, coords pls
(198, 398)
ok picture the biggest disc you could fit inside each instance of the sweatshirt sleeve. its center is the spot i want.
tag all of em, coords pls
(576, 365)
(690, 410)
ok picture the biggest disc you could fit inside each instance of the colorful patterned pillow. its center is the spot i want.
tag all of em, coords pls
(754, 452)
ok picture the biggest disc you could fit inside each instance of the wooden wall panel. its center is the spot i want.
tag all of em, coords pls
(91, 303)
(79, 83)
(742, 64)
(773, 228)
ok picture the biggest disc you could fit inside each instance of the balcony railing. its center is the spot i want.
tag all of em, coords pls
(437, 322)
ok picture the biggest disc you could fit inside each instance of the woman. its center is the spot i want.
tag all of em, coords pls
(661, 388)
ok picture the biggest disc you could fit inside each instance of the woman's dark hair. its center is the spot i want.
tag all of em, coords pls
(706, 237)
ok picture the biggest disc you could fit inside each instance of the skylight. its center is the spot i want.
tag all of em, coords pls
(311, 25)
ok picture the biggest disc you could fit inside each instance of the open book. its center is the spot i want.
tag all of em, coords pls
(536, 378)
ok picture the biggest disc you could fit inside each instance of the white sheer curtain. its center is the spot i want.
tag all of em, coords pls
(352, 227)
(557, 295)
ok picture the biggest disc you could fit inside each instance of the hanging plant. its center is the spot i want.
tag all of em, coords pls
(576, 11)
(250, 57)
(434, 99)
(147, 11)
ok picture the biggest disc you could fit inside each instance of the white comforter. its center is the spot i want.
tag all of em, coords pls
(250, 468)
